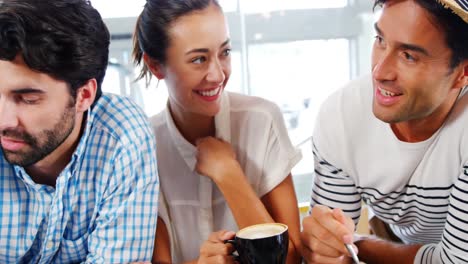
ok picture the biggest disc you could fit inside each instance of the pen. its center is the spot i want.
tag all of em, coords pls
(352, 253)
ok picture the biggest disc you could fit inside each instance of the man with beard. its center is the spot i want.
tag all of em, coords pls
(398, 141)
(78, 177)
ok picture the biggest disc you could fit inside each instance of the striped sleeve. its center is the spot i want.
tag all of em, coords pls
(334, 188)
(454, 245)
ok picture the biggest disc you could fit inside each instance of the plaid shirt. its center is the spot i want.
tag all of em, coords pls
(104, 206)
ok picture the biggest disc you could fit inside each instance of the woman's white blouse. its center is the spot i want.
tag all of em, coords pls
(190, 204)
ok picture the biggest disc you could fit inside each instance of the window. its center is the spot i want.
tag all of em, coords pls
(260, 6)
(299, 76)
(119, 8)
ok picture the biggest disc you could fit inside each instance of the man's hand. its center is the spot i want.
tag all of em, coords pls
(215, 251)
(324, 234)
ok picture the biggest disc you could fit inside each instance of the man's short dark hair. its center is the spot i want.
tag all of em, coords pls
(65, 39)
(455, 29)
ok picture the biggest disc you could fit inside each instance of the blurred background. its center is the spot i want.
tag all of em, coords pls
(292, 52)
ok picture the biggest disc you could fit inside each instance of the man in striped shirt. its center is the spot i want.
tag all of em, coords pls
(398, 141)
(78, 175)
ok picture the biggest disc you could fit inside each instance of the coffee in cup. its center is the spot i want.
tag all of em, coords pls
(262, 244)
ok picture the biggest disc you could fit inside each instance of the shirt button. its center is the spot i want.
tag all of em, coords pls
(49, 245)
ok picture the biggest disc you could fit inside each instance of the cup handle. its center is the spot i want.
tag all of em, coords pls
(230, 241)
(234, 254)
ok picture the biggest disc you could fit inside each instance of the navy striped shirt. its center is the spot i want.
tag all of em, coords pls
(419, 189)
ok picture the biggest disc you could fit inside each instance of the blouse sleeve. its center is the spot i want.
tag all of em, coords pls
(280, 155)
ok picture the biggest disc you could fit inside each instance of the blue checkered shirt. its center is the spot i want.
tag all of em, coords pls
(105, 203)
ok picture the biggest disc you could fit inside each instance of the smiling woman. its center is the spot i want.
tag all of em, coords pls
(298, 57)
(231, 151)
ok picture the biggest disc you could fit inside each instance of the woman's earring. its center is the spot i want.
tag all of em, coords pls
(157, 84)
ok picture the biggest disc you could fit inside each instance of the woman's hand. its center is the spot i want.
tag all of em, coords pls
(216, 159)
(215, 251)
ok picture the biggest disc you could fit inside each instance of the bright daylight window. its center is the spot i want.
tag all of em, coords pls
(299, 76)
(260, 6)
(118, 8)
(129, 8)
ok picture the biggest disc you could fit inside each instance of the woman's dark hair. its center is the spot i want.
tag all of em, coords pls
(151, 33)
(65, 39)
(456, 30)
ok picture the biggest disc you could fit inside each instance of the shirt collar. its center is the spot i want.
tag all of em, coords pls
(223, 131)
(89, 118)
(223, 119)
